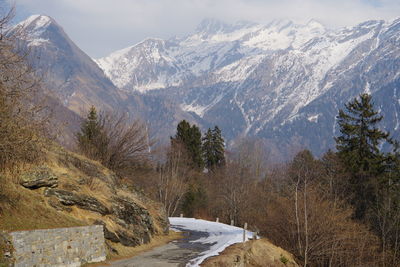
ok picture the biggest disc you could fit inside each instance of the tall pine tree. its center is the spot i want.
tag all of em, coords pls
(358, 148)
(208, 149)
(91, 139)
(189, 136)
(214, 148)
(219, 147)
(358, 144)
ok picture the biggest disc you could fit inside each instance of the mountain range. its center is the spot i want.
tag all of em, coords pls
(282, 82)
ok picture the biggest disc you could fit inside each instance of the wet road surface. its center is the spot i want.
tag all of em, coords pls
(176, 253)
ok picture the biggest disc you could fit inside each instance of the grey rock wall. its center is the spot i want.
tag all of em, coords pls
(59, 247)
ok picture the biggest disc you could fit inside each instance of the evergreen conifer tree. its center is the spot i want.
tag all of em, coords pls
(195, 146)
(214, 148)
(358, 144)
(183, 132)
(358, 148)
(91, 135)
(190, 137)
(219, 147)
(208, 149)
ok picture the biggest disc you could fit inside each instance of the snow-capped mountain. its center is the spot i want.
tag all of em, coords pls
(76, 81)
(283, 81)
(67, 71)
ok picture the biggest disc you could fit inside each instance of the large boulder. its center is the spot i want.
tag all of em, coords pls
(82, 201)
(41, 176)
(131, 213)
(136, 219)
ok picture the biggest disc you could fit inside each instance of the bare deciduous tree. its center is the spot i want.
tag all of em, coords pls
(20, 118)
(173, 176)
(118, 143)
(128, 143)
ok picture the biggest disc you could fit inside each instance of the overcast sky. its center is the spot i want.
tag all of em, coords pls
(100, 27)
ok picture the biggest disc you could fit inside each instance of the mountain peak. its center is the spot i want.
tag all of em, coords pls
(36, 22)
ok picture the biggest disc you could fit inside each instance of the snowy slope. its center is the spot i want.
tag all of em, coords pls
(282, 82)
(215, 48)
(220, 235)
(276, 81)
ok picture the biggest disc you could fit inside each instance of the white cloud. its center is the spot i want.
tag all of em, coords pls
(102, 26)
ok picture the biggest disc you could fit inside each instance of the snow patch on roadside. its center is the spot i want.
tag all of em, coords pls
(220, 236)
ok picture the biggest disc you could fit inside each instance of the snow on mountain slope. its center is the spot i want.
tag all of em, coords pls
(282, 82)
(254, 79)
(36, 25)
(212, 47)
(218, 235)
(67, 71)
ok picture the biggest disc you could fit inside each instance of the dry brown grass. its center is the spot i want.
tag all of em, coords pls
(257, 253)
(28, 210)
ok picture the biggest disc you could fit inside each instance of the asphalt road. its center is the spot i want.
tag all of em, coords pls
(176, 253)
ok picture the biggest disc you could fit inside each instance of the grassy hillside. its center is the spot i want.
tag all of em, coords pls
(65, 190)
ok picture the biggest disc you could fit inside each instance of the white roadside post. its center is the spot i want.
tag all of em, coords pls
(244, 232)
(217, 220)
(181, 215)
(232, 222)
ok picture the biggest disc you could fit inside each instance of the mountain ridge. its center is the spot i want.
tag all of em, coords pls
(266, 75)
(281, 82)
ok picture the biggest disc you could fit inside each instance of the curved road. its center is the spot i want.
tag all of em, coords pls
(202, 239)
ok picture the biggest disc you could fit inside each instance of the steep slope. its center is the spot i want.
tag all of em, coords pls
(76, 82)
(283, 82)
(67, 71)
(65, 189)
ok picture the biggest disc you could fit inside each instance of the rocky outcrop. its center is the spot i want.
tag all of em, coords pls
(135, 219)
(136, 224)
(55, 203)
(128, 217)
(39, 177)
(82, 201)
(131, 213)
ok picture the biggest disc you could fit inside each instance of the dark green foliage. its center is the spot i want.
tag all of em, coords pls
(219, 147)
(90, 128)
(190, 137)
(358, 148)
(214, 148)
(91, 139)
(208, 149)
(359, 142)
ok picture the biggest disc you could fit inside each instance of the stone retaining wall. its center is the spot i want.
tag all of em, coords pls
(58, 247)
